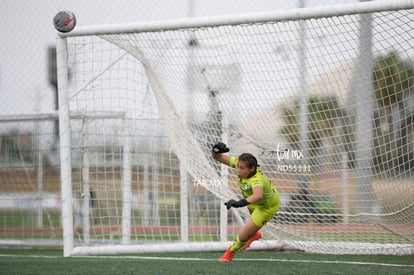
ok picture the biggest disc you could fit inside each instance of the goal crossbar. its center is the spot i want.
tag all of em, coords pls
(239, 19)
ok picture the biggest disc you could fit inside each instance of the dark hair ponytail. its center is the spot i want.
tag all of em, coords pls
(249, 159)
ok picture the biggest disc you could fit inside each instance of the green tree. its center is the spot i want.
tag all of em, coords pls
(324, 115)
(392, 81)
(392, 77)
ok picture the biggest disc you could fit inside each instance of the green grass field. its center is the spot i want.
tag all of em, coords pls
(51, 261)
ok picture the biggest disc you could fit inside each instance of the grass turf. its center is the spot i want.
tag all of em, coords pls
(51, 261)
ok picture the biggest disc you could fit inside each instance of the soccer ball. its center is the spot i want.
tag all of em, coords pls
(64, 21)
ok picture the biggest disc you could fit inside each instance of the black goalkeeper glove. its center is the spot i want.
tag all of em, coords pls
(236, 204)
(220, 148)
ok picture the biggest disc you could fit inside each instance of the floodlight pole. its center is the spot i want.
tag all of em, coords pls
(303, 98)
(364, 110)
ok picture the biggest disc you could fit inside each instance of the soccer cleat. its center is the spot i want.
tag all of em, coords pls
(253, 238)
(227, 256)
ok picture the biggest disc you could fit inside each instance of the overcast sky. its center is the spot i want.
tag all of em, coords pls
(26, 32)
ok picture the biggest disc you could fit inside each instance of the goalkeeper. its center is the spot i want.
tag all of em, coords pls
(260, 197)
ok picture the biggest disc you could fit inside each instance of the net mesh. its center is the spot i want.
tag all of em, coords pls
(325, 104)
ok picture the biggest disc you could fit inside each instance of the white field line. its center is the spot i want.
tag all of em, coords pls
(215, 260)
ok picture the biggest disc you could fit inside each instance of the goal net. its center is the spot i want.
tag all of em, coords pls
(323, 97)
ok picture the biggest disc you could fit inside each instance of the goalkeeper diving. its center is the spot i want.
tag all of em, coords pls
(259, 196)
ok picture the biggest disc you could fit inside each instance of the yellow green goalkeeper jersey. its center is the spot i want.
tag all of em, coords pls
(270, 194)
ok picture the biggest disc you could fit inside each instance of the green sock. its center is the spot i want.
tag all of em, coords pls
(237, 244)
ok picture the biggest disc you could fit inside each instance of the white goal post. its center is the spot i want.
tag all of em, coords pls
(322, 96)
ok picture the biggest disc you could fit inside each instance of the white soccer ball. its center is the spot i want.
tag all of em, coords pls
(64, 21)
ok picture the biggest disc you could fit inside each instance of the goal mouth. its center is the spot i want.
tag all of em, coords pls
(307, 92)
